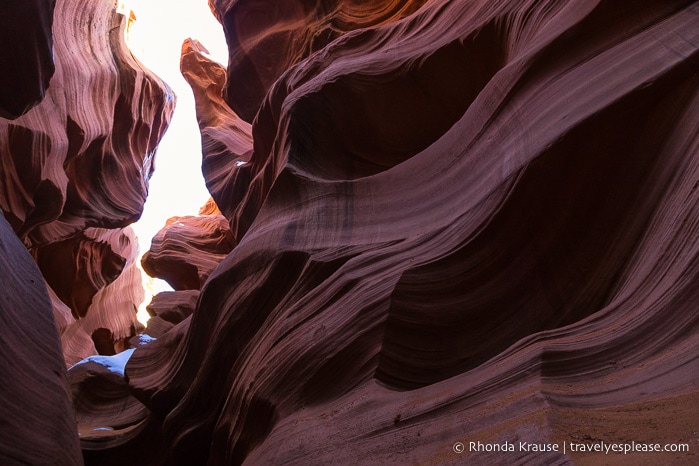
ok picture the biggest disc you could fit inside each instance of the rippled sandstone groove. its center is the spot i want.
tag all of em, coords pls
(266, 38)
(74, 171)
(80, 120)
(82, 158)
(188, 249)
(463, 224)
(467, 221)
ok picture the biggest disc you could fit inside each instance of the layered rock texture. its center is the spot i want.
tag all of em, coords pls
(82, 158)
(455, 221)
(266, 38)
(75, 167)
(187, 249)
(168, 309)
(80, 120)
(95, 278)
(451, 222)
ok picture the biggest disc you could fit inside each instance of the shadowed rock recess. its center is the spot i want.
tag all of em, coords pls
(450, 221)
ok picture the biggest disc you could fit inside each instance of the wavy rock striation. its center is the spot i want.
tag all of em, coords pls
(83, 156)
(187, 249)
(226, 139)
(169, 308)
(74, 169)
(457, 221)
(476, 222)
(79, 272)
(96, 274)
(266, 38)
(78, 267)
(110, 422)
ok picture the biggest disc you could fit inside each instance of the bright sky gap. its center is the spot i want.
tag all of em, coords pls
(177, 186)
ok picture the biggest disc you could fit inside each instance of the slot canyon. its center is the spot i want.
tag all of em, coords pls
(431, 224)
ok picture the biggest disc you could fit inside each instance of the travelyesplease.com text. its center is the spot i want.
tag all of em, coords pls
(564, 447)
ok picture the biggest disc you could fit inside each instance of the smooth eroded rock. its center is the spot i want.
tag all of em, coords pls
(83, 156)
(38, 426)
(457, 225)
(188, 249)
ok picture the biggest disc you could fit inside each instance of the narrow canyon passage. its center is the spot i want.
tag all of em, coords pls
(330, 231)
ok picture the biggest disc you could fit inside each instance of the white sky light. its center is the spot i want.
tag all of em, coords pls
(177, 186)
